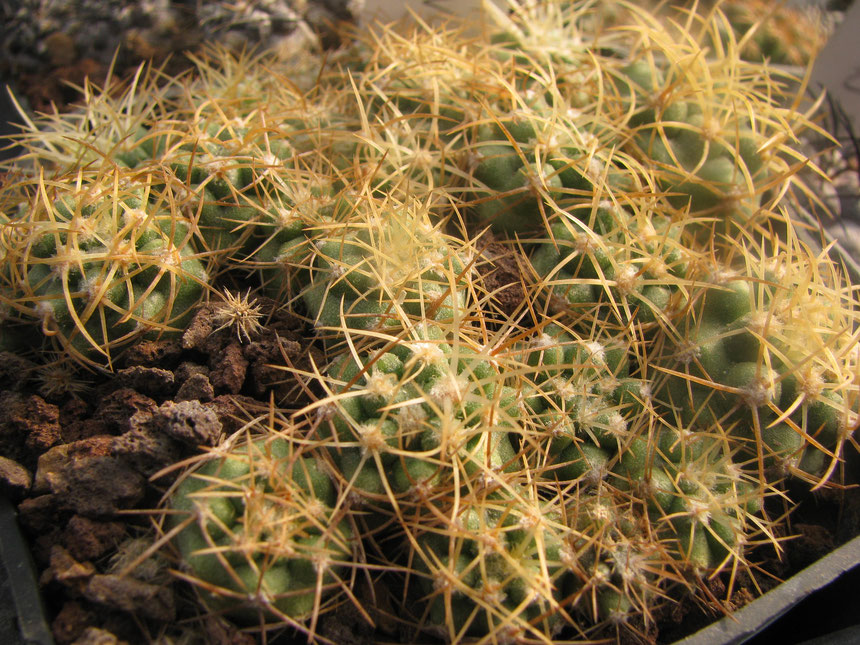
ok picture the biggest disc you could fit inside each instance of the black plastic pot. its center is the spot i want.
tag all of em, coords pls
(821, 603)
(22, 618)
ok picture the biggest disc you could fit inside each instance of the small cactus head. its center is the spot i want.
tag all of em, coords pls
(712, 159)
(789, 36)
(488, 565)
(260, 532)
(408, 424)
(102, 262)
(111, 128)
(767, 351)
(378, 264)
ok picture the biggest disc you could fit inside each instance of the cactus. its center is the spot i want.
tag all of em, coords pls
(766, 353)
(594, 425)
(711, 158)
(612, 570)
(239, 312)
(627, 266)
(542, 156)
(490, 567)
(102, 262)
(373, 261)
(417, 415)
(661, 99)
(110, 128)
(790, 36)
(709, 166)
(699, 500)
(257, 529)
(575, 388)
(223, 178)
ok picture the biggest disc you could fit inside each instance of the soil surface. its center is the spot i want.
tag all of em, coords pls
(83, 465)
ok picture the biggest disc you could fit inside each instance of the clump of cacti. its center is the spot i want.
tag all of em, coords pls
(516, 474)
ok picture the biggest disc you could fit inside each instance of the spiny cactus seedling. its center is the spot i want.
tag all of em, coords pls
(60, 377)
(239, 312)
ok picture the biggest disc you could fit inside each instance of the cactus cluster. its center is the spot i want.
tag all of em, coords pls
(546, 470)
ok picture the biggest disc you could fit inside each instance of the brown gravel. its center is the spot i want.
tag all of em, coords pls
(28, 426)
(87, 539)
